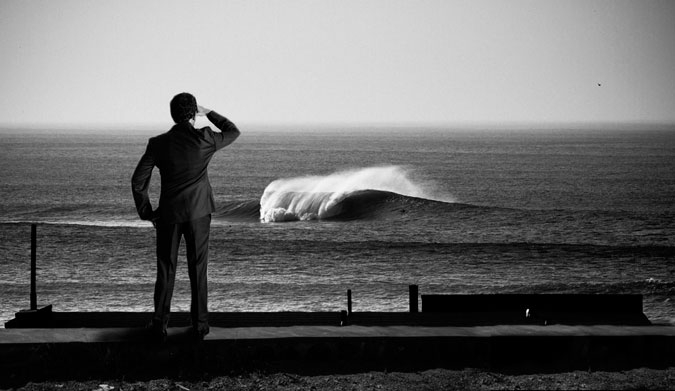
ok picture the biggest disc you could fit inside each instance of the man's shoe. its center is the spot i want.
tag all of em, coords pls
(156, 334)
(199, 333)
(159, 337)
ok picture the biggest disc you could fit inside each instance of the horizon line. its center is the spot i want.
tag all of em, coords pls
(328, 125)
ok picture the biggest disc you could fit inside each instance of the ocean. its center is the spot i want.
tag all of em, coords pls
(305, 214)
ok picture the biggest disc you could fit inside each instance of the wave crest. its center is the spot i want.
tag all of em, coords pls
(323, 197)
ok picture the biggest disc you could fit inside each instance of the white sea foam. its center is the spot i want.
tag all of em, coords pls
(314, 197)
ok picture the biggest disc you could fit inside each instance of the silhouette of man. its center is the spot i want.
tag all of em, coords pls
(182, 156)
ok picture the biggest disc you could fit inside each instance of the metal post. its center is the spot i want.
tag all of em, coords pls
(349, 301)
(33, 266)
(413, 291)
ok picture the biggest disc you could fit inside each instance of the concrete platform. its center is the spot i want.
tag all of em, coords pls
(51, 319)
(108, 353)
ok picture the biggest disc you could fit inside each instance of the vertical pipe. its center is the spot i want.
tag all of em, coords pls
(33, 266)
(413, 291)
(349, 301)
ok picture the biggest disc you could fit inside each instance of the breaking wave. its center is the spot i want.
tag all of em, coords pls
(349, 194)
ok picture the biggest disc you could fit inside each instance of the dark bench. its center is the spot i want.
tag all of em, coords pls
(541, 308)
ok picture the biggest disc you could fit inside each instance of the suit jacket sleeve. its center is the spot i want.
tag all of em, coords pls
(228, 131)
(140, 181)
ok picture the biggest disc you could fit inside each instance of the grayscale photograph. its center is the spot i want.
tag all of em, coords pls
(337, 195)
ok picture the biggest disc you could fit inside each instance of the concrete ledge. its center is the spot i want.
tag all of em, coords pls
(28, 319)
(41, 354)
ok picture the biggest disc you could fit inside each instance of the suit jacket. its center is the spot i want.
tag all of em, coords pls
(182, 155)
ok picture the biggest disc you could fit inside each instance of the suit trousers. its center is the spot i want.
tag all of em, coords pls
(196, 234)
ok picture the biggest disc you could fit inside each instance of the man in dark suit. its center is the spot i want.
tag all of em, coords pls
(185, 204)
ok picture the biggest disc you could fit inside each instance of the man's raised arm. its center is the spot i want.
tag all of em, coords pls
(228, 131)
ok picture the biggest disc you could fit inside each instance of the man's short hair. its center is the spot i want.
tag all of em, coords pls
(183, 107)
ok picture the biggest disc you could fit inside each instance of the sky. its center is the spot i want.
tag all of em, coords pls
(118, 63)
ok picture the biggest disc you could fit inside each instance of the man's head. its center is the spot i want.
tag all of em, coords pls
(183, 107)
